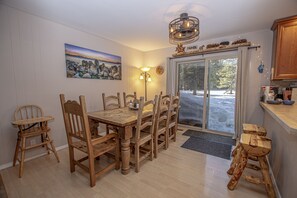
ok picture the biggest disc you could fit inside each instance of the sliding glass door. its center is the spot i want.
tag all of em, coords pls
(207, 89)
(191, 88)
(221, 94)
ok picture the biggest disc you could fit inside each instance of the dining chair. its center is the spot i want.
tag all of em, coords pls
(161, 124)
(79, 139)
(28, 131)
(143, 133)
(173, 117)
(128, 98)
(109, 103)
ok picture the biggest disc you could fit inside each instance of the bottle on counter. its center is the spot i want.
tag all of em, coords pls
(287, 94)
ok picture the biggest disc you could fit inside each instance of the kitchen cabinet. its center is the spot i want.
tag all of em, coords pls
(284, 54)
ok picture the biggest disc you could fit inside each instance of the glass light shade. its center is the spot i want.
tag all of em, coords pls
(149, 79)
(141, 77)
(145, 69)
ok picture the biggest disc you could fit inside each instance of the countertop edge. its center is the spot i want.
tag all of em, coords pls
(290, 130)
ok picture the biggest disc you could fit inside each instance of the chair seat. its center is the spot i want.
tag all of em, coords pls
(98, 149)
(34, 131)
(144, 137)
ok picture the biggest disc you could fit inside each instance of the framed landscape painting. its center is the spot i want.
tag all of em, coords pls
(91, 64)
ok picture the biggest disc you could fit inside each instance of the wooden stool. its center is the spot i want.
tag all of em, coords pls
(251, 129)
(254, 129)
(257, 147)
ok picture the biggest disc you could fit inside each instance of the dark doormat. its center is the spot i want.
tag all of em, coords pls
(3, 193)
(212, 144)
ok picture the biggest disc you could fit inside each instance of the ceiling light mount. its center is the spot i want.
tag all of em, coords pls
(184, 29)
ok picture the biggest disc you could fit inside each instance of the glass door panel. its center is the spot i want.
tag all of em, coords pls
(221, 94)
(191, 88)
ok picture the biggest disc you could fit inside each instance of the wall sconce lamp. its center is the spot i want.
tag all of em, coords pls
(147, 78)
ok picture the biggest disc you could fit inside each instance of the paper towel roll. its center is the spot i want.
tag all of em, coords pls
(294, 94)
(266, 93)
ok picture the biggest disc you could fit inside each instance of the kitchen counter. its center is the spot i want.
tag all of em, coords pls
(280, 122)
(285, 115)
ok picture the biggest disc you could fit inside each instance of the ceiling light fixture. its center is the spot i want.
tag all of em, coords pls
(184, 30)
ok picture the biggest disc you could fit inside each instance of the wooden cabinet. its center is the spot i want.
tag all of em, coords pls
(284, 54)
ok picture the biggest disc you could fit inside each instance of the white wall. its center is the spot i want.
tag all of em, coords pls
(256, 80)
(33, 72)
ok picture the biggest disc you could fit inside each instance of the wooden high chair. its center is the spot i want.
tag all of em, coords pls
(31, 123)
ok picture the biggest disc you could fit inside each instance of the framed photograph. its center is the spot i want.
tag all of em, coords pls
(91, 64)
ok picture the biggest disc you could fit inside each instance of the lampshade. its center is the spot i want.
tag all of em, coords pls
(184, 30)
(145, 69)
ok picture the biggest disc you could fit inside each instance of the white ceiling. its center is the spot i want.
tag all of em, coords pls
(143, 25)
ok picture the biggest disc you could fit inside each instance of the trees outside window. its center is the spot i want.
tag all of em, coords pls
(222, 76)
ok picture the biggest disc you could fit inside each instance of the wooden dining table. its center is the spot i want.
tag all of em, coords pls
(124, 119)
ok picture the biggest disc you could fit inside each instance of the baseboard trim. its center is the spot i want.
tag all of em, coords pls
(9, 164)
(278, 195)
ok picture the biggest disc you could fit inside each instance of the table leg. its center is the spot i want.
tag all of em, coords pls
(93, 127)
(125, 135)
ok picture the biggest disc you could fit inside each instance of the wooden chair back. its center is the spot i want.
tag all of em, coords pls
(146, 116)
(174, 109)
(161, 132)
(28, 112)
(165, 99)
(76, 120)
(111, 102)
(128, 97)
(173, 118)
(163, 113)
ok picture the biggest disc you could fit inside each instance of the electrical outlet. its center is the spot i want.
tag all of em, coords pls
(32, 141)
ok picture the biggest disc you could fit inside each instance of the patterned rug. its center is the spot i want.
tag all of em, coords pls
(212, 144)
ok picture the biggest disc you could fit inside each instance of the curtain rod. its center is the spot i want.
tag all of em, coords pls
(254, 47)
(217, 51)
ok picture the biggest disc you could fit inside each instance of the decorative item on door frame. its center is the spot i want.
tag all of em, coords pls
(261, 67)
(146, 77)
(160, 70)
(91, 64)
(183, 30)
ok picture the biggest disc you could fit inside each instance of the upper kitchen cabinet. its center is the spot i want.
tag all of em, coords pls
(284, 54)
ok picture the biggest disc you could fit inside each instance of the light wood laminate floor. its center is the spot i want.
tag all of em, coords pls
(177, 172)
